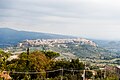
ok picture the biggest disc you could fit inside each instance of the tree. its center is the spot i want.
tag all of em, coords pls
(51, 54)
(88, 74)
(69, 66)
(3, 57)
(35, 62)
(75, 64)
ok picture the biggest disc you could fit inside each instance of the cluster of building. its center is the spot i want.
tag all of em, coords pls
(39, 42)
(5, 76)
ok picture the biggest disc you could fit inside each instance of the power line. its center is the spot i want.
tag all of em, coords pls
(33, 72)
(47, 71)
(52, 71)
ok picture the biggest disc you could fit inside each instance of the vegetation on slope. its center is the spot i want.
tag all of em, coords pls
(28, 64)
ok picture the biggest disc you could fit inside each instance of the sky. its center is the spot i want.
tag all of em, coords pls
(98, 19)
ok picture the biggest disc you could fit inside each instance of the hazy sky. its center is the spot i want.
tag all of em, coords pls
(86, 18)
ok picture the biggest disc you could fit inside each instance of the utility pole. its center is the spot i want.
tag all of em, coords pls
(27, 61)
(84, 72)
(61, 74)
(105, 72)
(73, 71)
(84, 75)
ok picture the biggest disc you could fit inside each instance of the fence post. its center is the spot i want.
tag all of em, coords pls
(61, 74)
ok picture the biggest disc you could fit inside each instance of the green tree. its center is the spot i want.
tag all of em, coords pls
(35, 62)
(75, 64)
(88, 74)
(3, 57)
(51, 54)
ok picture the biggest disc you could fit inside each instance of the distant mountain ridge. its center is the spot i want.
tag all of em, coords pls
(11, 36)
(113, 46)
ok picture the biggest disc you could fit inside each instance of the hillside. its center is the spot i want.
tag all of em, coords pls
(81, 47)
(10, 36)
(113, 46)
(84, 51)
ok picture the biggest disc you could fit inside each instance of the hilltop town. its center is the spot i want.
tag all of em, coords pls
(51, 42)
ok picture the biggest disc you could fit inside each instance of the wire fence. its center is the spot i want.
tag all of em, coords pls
(61, 74)
(70, 70)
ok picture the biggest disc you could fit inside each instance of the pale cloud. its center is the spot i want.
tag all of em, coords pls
(87, 18)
